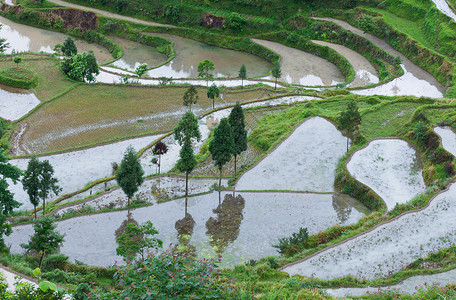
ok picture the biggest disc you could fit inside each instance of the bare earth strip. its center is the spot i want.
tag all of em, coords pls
(108, 14)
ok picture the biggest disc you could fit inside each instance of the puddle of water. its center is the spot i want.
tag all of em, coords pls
(15, 103)
(299, 67)
(406, 85)
(390, 247)
(442, 5)
(305, 161)
(409, 285)
(448, 138)
(365, 72)
(190, 53)
(225, 225)
(135, 54)
(27, 38)
(77, 168)
(393, 171)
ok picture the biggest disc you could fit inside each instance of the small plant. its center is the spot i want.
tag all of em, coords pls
(17, 60)
(294, 243)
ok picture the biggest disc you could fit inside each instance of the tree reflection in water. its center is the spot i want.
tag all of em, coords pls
(224, 229)
(341, 206)
(184, 229)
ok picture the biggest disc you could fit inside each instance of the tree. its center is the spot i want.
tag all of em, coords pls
(222, 146)
(69, 47)
(349, 119)
(243, 74)
(276, 72)
(39, 182)
(3, 43)
(190, 97)
(17, 60)
(80, 67)
(130, 173)
(187, 129)
(212, 92)
(31, 181)
(184, 133)
(45, 240)
(237, 124)
(141, 70)
(236, 22)
(160, 148)
(7, 202)
(204, 69)
(130, 245)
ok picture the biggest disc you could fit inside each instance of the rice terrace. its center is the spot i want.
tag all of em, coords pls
(227, 149)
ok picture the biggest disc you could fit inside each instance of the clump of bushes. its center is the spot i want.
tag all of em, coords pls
(294, 243)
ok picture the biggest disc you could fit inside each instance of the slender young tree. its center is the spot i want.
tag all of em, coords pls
(349, 119)
(190, 97)
(222, 146)
(31, 181)
(237, 124)
(276, 72)
(243, 74)
(187, 129)
(160, 149)
(204, 70)
(212, 92)
(46, 239)
(48, 183)
(184, 133)
(130, 174)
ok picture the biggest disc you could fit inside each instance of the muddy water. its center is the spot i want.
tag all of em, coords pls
(299, 67)
(27, 38)
(190, 53)
(394, 172)
(305, 161)
(226, 226)
(365, 72)
(135, 54)
(419, 78)
(15, 103)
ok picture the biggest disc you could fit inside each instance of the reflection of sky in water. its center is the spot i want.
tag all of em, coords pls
(277, 214)
(15, 105)
(406, 85)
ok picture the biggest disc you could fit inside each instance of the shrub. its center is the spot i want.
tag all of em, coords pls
(294, 243)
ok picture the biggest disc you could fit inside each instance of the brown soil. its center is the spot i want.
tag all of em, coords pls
(211, 21)
(73, 18)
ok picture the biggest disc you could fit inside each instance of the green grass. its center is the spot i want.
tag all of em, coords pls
(387, 120)
(51, 81)
(411, 28)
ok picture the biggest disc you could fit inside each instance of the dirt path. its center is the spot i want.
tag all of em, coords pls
(410, 66)
(108, 14)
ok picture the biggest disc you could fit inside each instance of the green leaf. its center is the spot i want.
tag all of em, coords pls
(45, 285)
(36, 272)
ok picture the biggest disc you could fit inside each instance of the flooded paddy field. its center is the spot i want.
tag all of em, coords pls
(394, 172)
(227, 225)
(305, 161)
(15, 103)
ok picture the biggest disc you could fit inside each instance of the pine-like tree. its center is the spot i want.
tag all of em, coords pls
(237, 124)
(130, 174)
(243, 74)
(349, 119)
(276, 72)
(222, 146)
(212, 92)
